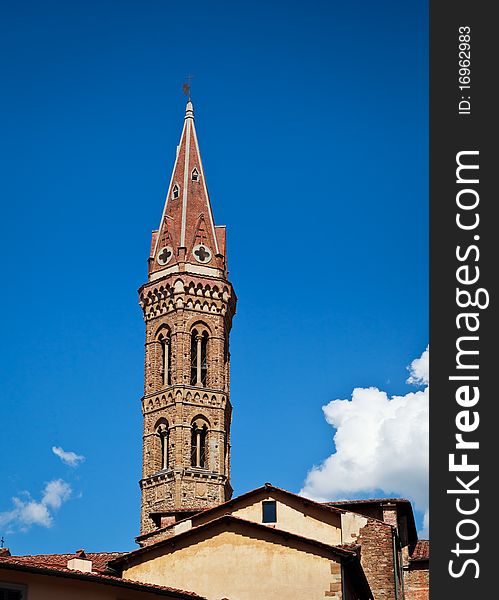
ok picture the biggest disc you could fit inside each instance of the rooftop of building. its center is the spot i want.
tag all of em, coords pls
(421, 551)
(56, 566)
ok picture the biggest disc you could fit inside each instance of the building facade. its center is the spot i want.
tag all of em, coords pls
(77, 576)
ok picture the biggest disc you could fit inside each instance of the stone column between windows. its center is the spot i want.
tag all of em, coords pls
(166, 365)
(164, 440)
(199, 340)
(198, 447)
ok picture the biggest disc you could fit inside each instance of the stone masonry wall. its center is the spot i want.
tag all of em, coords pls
(334, 590)
(174, 308)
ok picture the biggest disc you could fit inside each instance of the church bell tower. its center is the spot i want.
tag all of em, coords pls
(188, 305)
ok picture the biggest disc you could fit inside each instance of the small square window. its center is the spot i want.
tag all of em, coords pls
(269, 511)
(11, 591)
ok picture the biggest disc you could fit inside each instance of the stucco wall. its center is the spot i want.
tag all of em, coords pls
(46, 587)
(310, 522)
(229, 564)
(351, 524)
(297, 521)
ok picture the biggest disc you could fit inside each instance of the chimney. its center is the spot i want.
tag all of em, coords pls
(80, 562)
(390, 513)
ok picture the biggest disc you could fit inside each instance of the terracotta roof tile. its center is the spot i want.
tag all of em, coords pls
(403, 504)
(99, 559)
(343, 552)
(421, 550)
(233, 501)
(26, 563)
(366, 501)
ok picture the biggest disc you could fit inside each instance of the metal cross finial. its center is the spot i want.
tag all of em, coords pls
(2, 542)
(187, 86)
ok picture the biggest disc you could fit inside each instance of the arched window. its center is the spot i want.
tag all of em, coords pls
(175, 192)
(164, 339)
(199, 365)
(195, 174)
(163, 433)
(199, 437)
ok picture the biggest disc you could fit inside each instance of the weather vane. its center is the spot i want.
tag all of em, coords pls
(187, 86)
(2, 542)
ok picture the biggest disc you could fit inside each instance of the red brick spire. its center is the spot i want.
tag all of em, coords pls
(187, 239)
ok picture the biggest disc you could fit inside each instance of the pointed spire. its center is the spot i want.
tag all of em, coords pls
(187, 233)
(189, 110)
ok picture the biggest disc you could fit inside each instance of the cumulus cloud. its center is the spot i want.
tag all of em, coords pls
(27, 512)
(68, 458)
(381, 444)
(420, 369)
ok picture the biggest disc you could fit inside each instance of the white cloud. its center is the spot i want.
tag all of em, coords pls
(56, 492)
(420, 369)
(68, 458)
(381, 444)
(28, 512)
(425, 532)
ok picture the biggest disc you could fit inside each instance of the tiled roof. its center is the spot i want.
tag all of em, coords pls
(421, 550)
(403, 505)
(351, 547)
(180, 510)
(99, 559)
(14, 563)
(267, 487)
(227, 519)
(366, 501)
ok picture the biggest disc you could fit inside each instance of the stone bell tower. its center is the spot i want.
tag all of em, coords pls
(188, 305)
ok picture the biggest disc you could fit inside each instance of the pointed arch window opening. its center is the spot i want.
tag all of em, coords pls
(175, 192)
(199, 361)
(195, 174)
(199, 436)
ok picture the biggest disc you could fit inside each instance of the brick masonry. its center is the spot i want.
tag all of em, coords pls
(417, 582)
(377, 559)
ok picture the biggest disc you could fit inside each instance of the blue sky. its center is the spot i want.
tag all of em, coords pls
(313, 126)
